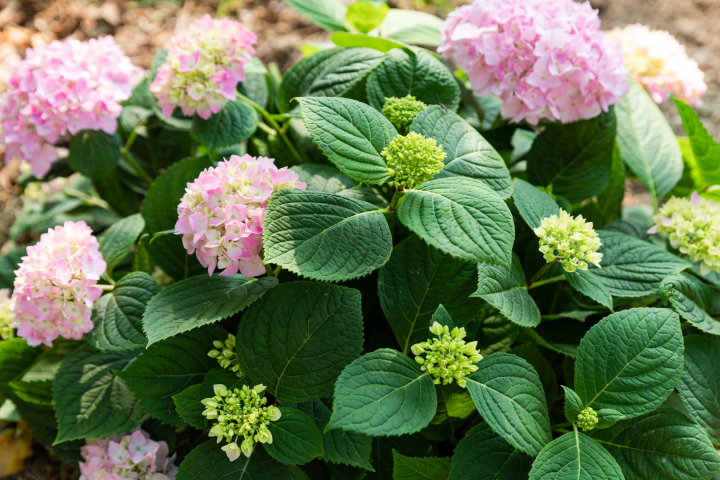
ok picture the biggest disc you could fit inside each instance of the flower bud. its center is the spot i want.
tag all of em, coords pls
(413, 158)
(402, 111)
(572, 241)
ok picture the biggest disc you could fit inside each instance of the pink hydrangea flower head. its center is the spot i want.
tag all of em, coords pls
(660, 64)
(203, 66)
(133, 456)
(544, 58)
(59, 88)
(222, 212)
(55, 285)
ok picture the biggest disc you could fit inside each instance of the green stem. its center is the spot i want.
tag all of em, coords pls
(545, 282)
(266, 129)
(107, 288)
(397, 197)
(539, 274)
(125, 153)
(89, 199)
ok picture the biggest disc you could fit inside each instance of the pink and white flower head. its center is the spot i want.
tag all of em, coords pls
(222, 212)
(55, 285)
(59, 88)
(203, 66)
(133, 456)
(544, 58)
(660, 64)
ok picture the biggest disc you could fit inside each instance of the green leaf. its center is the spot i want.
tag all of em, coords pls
(15, 357)
(661, 445)
(607, 204)
(328, 179)
(222, 376)
(366, 16)
(198, 301)
(189, 408)
(607, 417)
(39, 393)
(350, 40)
(90, 401)
(691, 299)
(461, 217)
(413, 27)
(94, 153)
(531, 354)
(169, 367)
(406, 468)
(468, 153)
(532, 203)
(8, 264)
(296, 438)
(117, 241)
(508, 394)
(324, 236)
(327, 14)
(575, 456)
(706, 151)
(419, 74)
(632, 267)
(159, 209)
(208, 462)
(573, 404)
(382, 457)
(574, 158)
(351, 134)
(383, 393)
(236, 122)
(647, 143)
(442, 317)
(630, 361)
(415, 281)
(483, 454)
(507, 291)
(699, 385)
(299, 337)
(497, 334)
(117, 315)
(588, 284)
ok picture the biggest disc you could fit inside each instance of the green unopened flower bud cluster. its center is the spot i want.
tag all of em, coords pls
(587, 419)
(571, 240)
(413, 159)
(447, 357)
(6, 316)
(226, 356)
(402, 111)
(240, 413)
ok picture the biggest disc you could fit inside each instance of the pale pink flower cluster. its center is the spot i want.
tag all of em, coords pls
(660, 64)
(132, 457)
(203, 67)
(59, 88)
(544, 58)
(55, 285)
(222, 212)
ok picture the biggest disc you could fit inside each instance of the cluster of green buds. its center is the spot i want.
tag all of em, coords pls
(240, 413)
(447, 357)
(413, 159)
(587, 419)
(693, 227)
(570, 240)
(6, 315)
(226, 356)
(402, 111)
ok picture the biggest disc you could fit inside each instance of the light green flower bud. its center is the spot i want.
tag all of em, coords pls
(220, 390)
(447, 357)
(226, 356)
(6, 315)
(402, 111)
(571, 241)
(232, 451)
(413, 159)
(587, 419)
(274, 413)
(247, 448)
(264, 436)
(218, 344)
(259, 388)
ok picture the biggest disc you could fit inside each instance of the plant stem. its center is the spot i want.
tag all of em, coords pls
(397, 197)
(107, 288)
(545, 282)
(99, 202)
(539, 274)
(266, 129)
(273, 272)
(125, 153)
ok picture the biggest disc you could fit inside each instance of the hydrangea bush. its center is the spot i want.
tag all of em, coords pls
(382, 264)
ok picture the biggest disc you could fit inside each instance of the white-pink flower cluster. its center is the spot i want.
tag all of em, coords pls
(131, 457)
(544, 58)
(222, 212)
(203, 67)
(59, 88)
(660, 64)
(55, 285)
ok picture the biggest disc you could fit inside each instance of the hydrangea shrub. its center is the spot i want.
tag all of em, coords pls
(378, 265)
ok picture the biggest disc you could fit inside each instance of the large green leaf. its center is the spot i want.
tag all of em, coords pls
(350, 40)
(8, 264)
(706, 151)
(299, 337)
(383, 393)
(328, 14)
(169, 367)
(117, 315)
(699, 385)
(461, 217)
(588, 284)
(117, 241)
(574, 158)
(468, 153)
(235, 122)
(507, 291)
(15, 357)
(296, 438)
(575, 456)
(417, 279)
(411, 26)
(691, 299)
(328, 179)
(418, 74)
(484, 455)
(415, 445)
(198, 301)
(607, 204)
(325, 236)
(407, 468)
(508, 394)
(90, 401)
(94, 153)
(531, 354)
(532, 203)
(351, 134)
(208, 462)
(662, 445)
(647, 143)
(630, 361)
(189, 408)
(365, 16)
